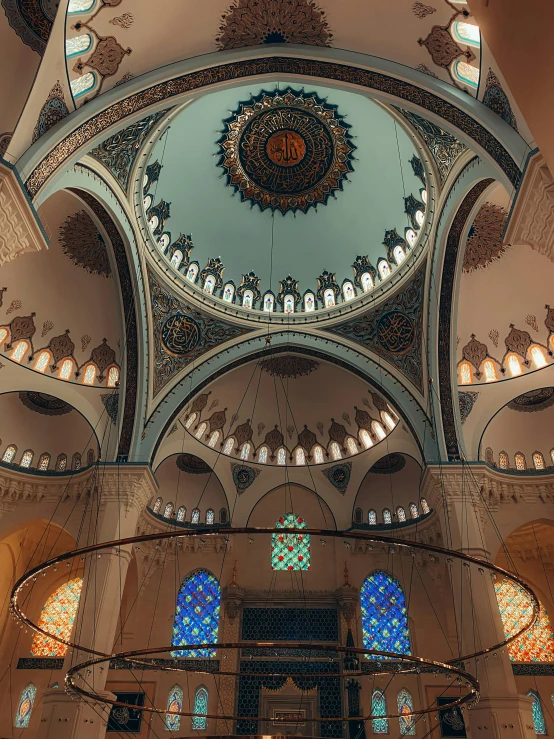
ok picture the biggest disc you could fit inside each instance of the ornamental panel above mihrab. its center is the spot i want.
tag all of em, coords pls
(394, 331)
(182, 333)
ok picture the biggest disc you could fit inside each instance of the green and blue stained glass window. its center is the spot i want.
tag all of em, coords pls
(25, 707)
(538, 716)
(290, 551)
(197, 614)
(384, 615)
(199, 720)
(379, 708)
(405, 708)
(174, 706)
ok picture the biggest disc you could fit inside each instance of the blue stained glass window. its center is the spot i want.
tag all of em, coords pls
(174, 705)
(538, 716)
(290, 551)
(384, 615)
(25, 707)
(199, 721)
(195, 517)
(372, 518)
(405, 707)
(379, 708)
(197, 614)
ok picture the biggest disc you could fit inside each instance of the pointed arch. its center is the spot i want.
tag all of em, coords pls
(25, 707)
(379, 708)
(57, 617)
(157, 505)
(174, 706)
(199, 720)
(380, 594)
(197, 614)
(405, 708)
(290, 551)
(538, 716)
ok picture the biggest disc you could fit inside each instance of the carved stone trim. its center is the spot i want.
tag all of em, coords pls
(20, 229)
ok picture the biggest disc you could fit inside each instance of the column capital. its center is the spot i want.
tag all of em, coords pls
(20, 227)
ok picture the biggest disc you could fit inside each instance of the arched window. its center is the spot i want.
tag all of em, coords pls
(223, 515)
(503, 461)
(538, 717)
(43, 462)
(514, 365)
(536, 644)
(419, 217)
(537, 355)
(174, 706)
(378, 430)
(157, 505)
(25, 707)
(90, 374)
(83, 84)
(488, 455)
(281, 456)
(465, 374)
(358, 516)
(19, 351)
(309, 302)
(177, 258)
(335, 451)
(467, 33)
(262, 456)
(372, 518)
(367, 282)
(80, 6)
(181, 514)
(210, 516)
(9, 454)
(90, 457)
(348, 291)
(399, 254)
(169, 510)
(67, 368)
(153, 222)
(268, 303)
(163, 242)
(245, 451)
(229, 444)
(195, 516)
(199, 720)
(228, 292)
(384, 269)
(329, 298)
(78, 45)
(197, 614)
(288, 304)
(3, 335)
(389, 420)
(351, 445)
(113, 376)
(27, 458)
(192, 272)
(387, 516)
(490, 371)
(290, 551)
(300, 456)
(76, 461)
(209, 284)
(414, 513)
(213, 439)
(190, 420)
(57, 617)
(466, 74)
(552, 455)
(61, 463)
(384, 615)
(400, 514)
(379, 708)
(317, 452)
(520, 462)
(411, 237)
(424, 506)
(247, 299)
(147, 202)
(538, 461)
(201, 430)
(42, 361)
(405, 708)
(365, 439)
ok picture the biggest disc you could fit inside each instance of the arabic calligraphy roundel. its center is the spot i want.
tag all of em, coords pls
(180, 335)
(286, 151)
(396, 332)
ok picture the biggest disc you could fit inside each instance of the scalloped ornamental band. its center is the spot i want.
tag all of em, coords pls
(254, 67)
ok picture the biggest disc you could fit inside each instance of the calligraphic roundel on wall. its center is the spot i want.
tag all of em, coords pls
(396, 332)
(180, 334)
(286, 151)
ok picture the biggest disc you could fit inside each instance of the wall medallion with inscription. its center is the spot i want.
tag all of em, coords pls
(180, 334)
(396, 332)
(286, 151)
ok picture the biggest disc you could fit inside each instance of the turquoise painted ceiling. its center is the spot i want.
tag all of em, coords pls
(305, 244)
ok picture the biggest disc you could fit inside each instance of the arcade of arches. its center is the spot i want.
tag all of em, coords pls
(277, 346)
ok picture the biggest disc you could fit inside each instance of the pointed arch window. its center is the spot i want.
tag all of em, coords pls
(157, 505)
(514, 365)
(3, 335)
(169, 510)
(351, 445)
(245, 451)
(288, 304)
(90, 374)
(401, 514)
(384, 269)
(379, 708)
(290, 551)
(268, 303)
(228, 292)
(488, 456)
(25, 707)
(538, 461)
(247, 299)
(76, 461)
(414, 513)
(378, 430)
(200, 431)
(389, 420)
(552, 455)
(83, 84)
(348, 291)
(213, 439)
(27, 458)
(281, 456)
(405, 708)
(467, 33)
(209, 284)
(465, 373)
(387, 516)
(192, 272)
(490, 371)
(43, 462)
(57, 617)
(424, 506)
(229, 444)
(538, 717)
(197, 614)
(317, 452)
(199, 720)
(262, 457)
(210, 516)
(190, 420)
(67, 368)
(411, 237)
(309, 302)
(466, 74)
(163, 242)
(223, 518)
(174, 706)
(61, 463)
(113, 376)
(358, 516)
(365, 439)
(181, 514)
(147, 202)
(329, 298)
(367, 282)
(384, 615)
(503, 461)
(78, 45)
(520, 462)
(399, 254)
(43, 360)
(176, 259)
(419, 217)
(195, 516)
(335, 451)
(9, 454)
(372, 518)
(536, 644)
(90, 457)
(537, 355)
(19, 351)
(299, 456)
(80, 6)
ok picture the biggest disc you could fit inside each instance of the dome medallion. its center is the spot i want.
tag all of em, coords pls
(286, 151)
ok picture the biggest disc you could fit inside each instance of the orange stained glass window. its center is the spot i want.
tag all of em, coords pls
(57, 618)
(490, 371)
(42, 362)
(67, 369)
(537, 355)
(537, 644)
(113, 376)
(503, 461)
(514, 365)
(538, 461)
(3, 335)
(90, 375)
(19, 351)
(465, 375)
(520, 462)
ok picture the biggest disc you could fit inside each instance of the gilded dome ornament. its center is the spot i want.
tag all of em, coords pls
(286, 151)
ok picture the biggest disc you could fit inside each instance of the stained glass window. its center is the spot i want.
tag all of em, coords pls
(538, 716)
(66, 370)
(78, 45)
(367, 282)
(290, 551)
(195, 517)
(163, 241)
(157, 505)
(76, 461)
(399, 254)
(57, 617)
(348, 291)
(419, 217)
(466, 73)
(80, 6)
(113, 377)
(192, 272)
(514, 365)
(9, 454)
(3, 335)
(268, 303)
(90, 457)
(213, 439)
(61, 462)
(490, 371)
(503, 461)
(247, 299)
(197, 614)
(405, 707)
(199, 720)
(401, 514)
(262, 457)
(210, 516)
(465, 375)
(329, 297)
(245, 451)
(520, 462)
(414, 513)
(201, 430)
(552, 455)
(177, 258)
(228, 293)
(384, 269)
(209, 284)
(147, 202)
(538, 461)
(535, 645)
(372, 518)
(229, 444)
(190, 420)
(411, 237)
(351, 445)
(281, 456)
(168, 511)
(90, 375)
(300, 456)
(318, 454)
(358, 515)
(181, 513)
(289, 304)
(387, 518)
(384, 614)
(365, 438)
(424, 506)
(25, 707)
(42, 362)
(44, 462)
(82, 85)
(335, 451)
(467, 33)
(379, 708)
(537, 355)
(389, 420)
(19, 351)
(223, 515)
(174, 705)
(27, 458)
(378, 430)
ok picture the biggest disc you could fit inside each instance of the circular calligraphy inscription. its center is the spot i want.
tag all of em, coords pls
(396, 332)
(286, 148)
(180, 335)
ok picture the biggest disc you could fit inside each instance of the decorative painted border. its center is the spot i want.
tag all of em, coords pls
(159, 93)
(445, 316)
